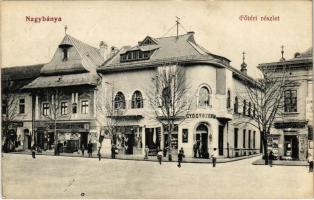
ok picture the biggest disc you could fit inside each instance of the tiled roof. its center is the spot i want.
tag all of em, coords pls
(167, 49)
(14, 78)
(90, 59)
(63, 80)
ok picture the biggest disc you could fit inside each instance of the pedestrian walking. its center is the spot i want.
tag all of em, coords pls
(113, 151)
(180, 157)
(159, 155)
(214, 156)
(146, 152)
(270, 158)
(310, 160)
(83, 149)
(195, 148)
(34, 152)
(99, 154)
(90, 149)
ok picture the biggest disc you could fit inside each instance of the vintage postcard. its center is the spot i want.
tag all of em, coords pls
(156, 99)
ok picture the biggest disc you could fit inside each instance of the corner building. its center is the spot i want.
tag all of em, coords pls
(216, 114)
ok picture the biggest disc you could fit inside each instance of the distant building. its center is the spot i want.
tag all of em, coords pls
(295, 129)
(17, 110)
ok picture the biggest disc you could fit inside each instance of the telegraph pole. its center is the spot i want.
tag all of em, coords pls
(177, 22)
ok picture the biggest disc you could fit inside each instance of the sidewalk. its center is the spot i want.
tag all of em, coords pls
(282, 162)
(141, 157)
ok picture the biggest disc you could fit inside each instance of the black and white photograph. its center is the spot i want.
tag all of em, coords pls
(156, 100)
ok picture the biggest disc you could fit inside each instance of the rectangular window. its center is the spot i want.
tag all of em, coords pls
(64, 108)
(254, 133)
(290, 101)
(22, 106)
(4, 106)
(74, 108)
(236, 130)
(45, 109)
(244, 138)
(84, 107)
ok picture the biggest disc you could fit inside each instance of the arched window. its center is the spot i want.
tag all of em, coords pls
(137, 100)
(244, 107)
(166, 96)
(249, 110)
(119, 101)
(228, 99)
(236, 105)
(204, 97)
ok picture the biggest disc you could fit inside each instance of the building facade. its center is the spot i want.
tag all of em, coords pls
(16, 110)
(293, 132)
(214, 118)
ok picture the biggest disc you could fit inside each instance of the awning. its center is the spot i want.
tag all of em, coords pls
(63, 80)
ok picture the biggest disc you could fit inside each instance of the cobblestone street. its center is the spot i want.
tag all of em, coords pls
(75, 177)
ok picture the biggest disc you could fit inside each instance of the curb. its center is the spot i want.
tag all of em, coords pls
(206, 161)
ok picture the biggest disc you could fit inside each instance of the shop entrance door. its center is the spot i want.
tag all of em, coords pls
(84, 141)
(129, 143)
(291, 146)
(202, 140)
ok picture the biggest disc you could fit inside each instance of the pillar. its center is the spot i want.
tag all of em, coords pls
(143, 140)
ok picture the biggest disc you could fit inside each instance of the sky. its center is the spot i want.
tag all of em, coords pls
(217, 27)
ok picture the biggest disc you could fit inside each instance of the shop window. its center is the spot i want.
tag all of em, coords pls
(204, 100)
(64, 108)
(137, 100)
(244, 107)
(249, 139)
(244, 138)
(46, 109)
(84, 107)
(236, 105)
(119, 101)
(290, 101)
(254, 135)
(228, 99)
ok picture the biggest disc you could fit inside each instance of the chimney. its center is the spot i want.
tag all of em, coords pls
(243, 65)
(103, 48)
(113, 51)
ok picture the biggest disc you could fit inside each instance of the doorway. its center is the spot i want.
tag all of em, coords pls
(84, 138)
(201, 137)
(291, 148)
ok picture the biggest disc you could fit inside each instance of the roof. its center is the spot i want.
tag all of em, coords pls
(14, 78)
(63, 80)
(300, 60)
(167, 49)
(90, 59)
(21, 72)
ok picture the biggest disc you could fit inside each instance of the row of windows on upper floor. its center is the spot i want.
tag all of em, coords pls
(204, 101)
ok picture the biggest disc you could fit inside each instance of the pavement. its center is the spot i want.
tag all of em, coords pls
(282, 162)
(73, 177)
(141, 157)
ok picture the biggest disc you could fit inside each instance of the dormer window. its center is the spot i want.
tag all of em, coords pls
(65, 48)
(135, 55)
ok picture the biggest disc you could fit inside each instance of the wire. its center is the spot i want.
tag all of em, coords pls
(169, 30)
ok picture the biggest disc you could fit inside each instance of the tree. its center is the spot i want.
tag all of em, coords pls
(266, 99)
(109, 109)
(169, 98)
(55, 108)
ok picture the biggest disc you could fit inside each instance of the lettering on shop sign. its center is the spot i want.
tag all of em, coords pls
(201, 115)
